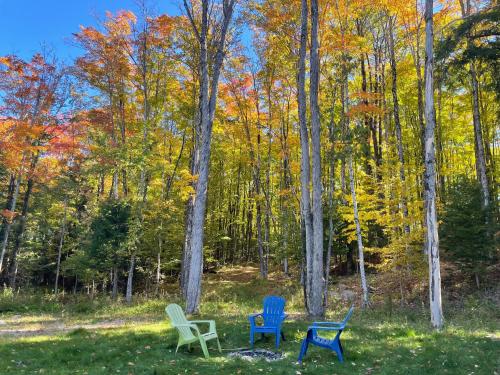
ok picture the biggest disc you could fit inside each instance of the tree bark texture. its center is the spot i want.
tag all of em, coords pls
(316, 307)
(207, 103)
(305, 170)
(432, 237)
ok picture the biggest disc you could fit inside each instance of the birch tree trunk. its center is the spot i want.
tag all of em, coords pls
(359, 237)
(158, 265)
(432, 238)
(304, 147)
(59, 249)
(267, 192)
(114, 186)
(130, 278)
(316, 307)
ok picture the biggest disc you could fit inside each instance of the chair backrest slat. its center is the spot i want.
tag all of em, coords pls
(177, 317)
(274, 308)
(348, 316)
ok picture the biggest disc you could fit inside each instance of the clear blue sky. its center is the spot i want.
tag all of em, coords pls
(27, 25)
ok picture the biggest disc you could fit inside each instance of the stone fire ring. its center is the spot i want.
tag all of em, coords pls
(252, 355)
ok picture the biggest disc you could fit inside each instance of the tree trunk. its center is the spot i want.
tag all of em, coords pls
(288, 216)
(20, 231)
(260, 245)
(304, 146)
(316, 307)
(114, 292)
(194, 164)
(331, 190)
(481, 171)
(365, 144)
(158, 266)
(128, 294)
(361, 259)
(267, 221)
(303, 264)
(478, 138)
(7, 223)
(432, 238)
(188, 223)
(59, 249)
(75, 285)
(113, 193)
(186, 253)
(207, 110)
(256, 191)
(397, 124)
(347, 134)
(420, 97)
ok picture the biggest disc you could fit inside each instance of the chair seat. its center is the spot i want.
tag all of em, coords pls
(265, 328)
(209, 335)
(322, 341)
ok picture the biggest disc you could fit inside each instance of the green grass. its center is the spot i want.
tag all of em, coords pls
(376, 341)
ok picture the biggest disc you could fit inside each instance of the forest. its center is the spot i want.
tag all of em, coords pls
(331, 147)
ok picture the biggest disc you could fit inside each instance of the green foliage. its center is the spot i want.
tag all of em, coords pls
(109, 231)
(482, 29)
(467, 229)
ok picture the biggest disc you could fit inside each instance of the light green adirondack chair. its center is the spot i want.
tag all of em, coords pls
(186, 327)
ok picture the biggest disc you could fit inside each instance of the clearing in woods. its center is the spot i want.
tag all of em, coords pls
(39, 334)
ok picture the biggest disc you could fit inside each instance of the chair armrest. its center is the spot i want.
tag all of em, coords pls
(328, 323)
(282, 318)
(252, 317)
(211, 323)
(325, 328)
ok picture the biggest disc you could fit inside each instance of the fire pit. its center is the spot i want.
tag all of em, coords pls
(252, 355)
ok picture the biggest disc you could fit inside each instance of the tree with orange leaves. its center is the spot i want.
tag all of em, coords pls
(34, 94)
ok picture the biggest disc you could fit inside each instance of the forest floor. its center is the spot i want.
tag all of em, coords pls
(43, 334)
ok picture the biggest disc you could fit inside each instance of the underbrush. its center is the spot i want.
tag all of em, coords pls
(234, 291)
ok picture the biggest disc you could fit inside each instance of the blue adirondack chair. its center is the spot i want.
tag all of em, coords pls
(312, 336)
(272, 316)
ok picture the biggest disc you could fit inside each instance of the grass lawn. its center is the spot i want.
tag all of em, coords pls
(136, 339)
